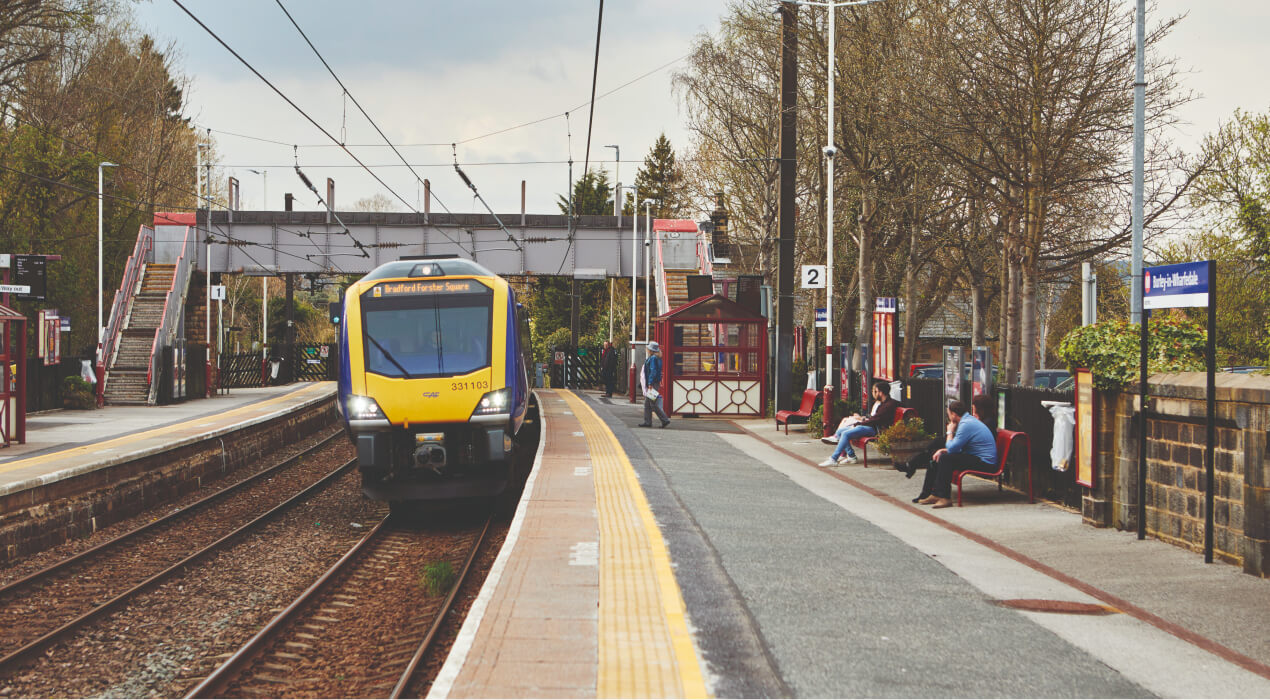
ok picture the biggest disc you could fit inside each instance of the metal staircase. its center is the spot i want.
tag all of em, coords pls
(128, 374)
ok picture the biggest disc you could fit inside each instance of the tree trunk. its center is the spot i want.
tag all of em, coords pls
(1012, 329)
(864, 271)
(977, 332)
(1028, 334)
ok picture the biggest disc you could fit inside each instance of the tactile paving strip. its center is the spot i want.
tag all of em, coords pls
(645, 648)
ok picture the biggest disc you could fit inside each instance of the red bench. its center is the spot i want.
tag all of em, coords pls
(811, 398)
(1005, 440)
(901, 413)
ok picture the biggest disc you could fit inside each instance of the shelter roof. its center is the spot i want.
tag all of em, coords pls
(680, 225)
(7, 314)
(713, 307)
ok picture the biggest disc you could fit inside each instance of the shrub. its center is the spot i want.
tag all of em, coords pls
(437, 578)
(78, 394)
(1110, 349)
(903, 431)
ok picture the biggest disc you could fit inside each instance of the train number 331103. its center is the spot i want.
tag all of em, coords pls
(461, 386)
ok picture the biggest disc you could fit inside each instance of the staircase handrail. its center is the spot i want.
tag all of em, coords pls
(663, 294)
(141, 254)
(173, 308)
(704, 262)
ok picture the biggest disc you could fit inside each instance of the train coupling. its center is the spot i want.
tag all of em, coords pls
(430, 451)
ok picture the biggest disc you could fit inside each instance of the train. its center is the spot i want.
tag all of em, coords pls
(433, 388)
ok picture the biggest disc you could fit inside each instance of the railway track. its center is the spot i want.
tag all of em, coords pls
(48, 605)
(362, 629)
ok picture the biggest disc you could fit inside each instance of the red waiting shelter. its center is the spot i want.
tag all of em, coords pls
(715, 358)
(12, 389)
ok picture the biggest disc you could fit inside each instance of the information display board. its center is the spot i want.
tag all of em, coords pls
(980, 371)
(31, 271)
(1085, 424)
(884, 338)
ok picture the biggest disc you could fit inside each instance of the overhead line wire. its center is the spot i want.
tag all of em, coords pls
(361, 109)
(289, 101)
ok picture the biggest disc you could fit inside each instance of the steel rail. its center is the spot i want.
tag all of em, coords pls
(216, 683)
(426, 644)
(53, 636)
(168, 519)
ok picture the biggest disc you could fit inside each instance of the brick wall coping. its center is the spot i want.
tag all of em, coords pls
(1231, 387)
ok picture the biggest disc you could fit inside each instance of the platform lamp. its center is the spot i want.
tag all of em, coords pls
(648, 270)
(101, 329)
(264, 187)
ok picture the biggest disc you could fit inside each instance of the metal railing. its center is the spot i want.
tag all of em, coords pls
(173, 309)
(142, 252)
(659, 272)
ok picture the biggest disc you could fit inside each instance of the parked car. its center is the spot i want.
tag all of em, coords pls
(1050, 378)
(915, 368)
(1245, 369)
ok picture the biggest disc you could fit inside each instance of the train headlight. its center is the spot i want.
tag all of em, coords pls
(364, 408)
(493, 402)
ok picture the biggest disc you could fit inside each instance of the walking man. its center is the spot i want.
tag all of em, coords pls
(608, 368)
(650, 382)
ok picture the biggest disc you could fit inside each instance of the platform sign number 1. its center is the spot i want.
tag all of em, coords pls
(813, 276)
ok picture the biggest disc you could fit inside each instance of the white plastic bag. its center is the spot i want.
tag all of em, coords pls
(1064, 435)
(86, 371)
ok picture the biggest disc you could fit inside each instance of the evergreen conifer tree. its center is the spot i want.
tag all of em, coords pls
(661, 181)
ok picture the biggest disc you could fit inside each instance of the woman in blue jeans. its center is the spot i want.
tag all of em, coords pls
(880, 417)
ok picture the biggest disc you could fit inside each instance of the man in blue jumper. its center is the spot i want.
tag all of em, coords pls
(973, 447)
(650, 382)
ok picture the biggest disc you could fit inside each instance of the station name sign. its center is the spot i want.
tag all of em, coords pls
(394, 289)
(1175, 286)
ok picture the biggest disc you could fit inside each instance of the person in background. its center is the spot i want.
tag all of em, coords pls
(608, 367)
(650, 382)
(973, 446)
(881, 416)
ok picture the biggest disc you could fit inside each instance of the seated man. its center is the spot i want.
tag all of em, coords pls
(854, 427)
(973, 446)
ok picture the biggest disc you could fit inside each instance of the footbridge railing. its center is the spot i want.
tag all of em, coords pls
(142, 253)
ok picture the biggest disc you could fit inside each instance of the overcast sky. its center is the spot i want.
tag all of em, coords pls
(432, 72)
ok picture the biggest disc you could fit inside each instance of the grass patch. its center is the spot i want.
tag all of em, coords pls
(437, 578)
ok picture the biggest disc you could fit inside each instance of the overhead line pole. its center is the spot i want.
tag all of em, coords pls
(788, 155)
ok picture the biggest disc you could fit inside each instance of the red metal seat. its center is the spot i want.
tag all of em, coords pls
(901, 413)
(1005, 440)
(811, 398)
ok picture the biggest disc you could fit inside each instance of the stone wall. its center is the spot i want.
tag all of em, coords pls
(1176, 477)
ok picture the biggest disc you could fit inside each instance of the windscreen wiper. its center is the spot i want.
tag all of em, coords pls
(388, 355)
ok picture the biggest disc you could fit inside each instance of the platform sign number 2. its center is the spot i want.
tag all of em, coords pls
(813, 276)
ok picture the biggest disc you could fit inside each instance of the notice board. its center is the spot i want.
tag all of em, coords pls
(1086, 414)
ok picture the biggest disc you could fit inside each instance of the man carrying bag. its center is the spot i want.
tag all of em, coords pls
(650, 383)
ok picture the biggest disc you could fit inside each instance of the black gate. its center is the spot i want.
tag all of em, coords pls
(578, 371)
(314, 362)
(240, 371)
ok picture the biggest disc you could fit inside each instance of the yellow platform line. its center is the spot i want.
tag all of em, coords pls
(645, 648)
(156, 432)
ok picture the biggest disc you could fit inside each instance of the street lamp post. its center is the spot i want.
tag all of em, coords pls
(264, 187)
(829, 152)
(101, 329)
(617, 182)
(648, 269)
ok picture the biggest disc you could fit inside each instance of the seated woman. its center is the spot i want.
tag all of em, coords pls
(880, 417)
(973, 446)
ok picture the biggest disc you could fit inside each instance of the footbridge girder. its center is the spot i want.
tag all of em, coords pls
(274, 242)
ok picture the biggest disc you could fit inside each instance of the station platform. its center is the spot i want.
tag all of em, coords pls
(62, 444)
(80, 471)
(715, 558)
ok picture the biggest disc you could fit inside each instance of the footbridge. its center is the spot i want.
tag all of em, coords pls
(272, 242)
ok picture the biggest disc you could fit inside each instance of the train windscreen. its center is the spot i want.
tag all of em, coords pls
(427, 335)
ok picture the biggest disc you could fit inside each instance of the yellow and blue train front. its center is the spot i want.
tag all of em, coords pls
(427, 401)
